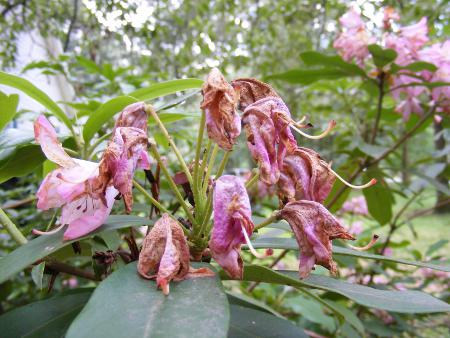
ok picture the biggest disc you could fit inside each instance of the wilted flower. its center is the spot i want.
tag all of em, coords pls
(267, 125)
(219, 103)
(251, 90)
(133, 115)
(165, 255)
(314, 228)
(71, 186)
(232, 224)
(305, 176)
(126, 152)
(353, 41)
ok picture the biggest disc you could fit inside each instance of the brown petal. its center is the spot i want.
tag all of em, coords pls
(219, 103)
(133, 115)
(251, 90)
(314, 228)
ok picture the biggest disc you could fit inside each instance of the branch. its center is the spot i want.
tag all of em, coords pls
(71, 270)
(71, 25)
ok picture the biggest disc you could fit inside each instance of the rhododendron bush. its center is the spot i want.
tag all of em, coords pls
(153, 231)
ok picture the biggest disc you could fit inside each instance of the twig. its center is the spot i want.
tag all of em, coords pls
(57, 266)
(15, 204)
(71, 25)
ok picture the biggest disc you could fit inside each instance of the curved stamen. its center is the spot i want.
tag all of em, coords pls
(249, 244)
(368, 184)
(366, 247)
(51, 232)
(330, 127)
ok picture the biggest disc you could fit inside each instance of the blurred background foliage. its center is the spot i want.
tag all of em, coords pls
(102, 49)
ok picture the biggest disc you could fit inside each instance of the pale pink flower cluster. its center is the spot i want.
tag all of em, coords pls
(356, 205)
(409, 43)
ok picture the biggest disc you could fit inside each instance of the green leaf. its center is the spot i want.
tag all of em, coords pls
(8, 108)
(250, 323)
(378, 197)
(308, 76)
(312, 58)
(89, 65)
(104, 113)
(172, 117)
(348, 315)
(381, 57)
(131, 306)
(249, 302)
(165, 88)
(43, 246)
(37, 274)
(46, 318)
(35, 93)
(436, 246)
(417, 66)
(23, 162)
(395, 301)
(291, 244)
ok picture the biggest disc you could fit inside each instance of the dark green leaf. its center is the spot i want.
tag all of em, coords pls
(35, 93)
(395, 301)
(165, 88)
(436, 246)
(104, 113)
(37, 274)
(46, 318)
(291, 244)
(249, 302)
(378, 197)
(133, 307)
(246, 323)
(313, 58)
(308, 76)
(43, 246)
(8, 107)
(22, 162)
(381, 57)
(415, 67)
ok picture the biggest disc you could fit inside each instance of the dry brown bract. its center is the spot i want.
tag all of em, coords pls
(165, 255)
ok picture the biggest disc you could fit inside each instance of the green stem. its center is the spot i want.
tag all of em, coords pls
(211, 162)
(12, 228)
(198, 151)
(97, 143)
(172, 184)
(149, 109)
(71, 152)
(252, 181)
(274, 217)
(157, 204)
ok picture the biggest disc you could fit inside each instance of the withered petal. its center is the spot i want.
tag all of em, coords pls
(251, 90)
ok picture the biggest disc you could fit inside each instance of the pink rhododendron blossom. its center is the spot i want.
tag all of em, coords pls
(314, 228)
(356, 205)
(353, 41)
(305, 176)
(71, 186)
(269, 137)
(232, 217)
(223, 123)
(389, 15)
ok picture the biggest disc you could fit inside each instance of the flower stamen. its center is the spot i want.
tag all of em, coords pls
(363, 186)
(249, 244)
(294, 125)
(51, 232)
(367, 246)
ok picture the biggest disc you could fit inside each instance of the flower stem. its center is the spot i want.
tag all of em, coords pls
(252, 181)
(172, 184)
(198, 151)
(157, 204)
(212, 159)
(274, 217)
(97, 143)
(379, 107)
(12, 228)
(149, 109)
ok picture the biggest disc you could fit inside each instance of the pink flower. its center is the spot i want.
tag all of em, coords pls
(314, 228)
(389, 15)
(353, 41)
(232, 224)
(357, 205)
(269, 137)
(415, 35)
(305, 176)
(219, 103)
(71, 186)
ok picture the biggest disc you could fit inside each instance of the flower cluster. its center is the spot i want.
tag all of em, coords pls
(302, 178)
(409, 42)
(86, 190)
